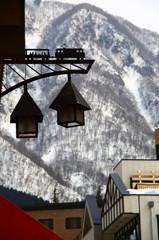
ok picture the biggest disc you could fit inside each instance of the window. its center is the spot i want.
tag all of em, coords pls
(72, 223)
(47, 222)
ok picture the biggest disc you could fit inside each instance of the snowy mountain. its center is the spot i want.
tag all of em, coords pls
(122, 89)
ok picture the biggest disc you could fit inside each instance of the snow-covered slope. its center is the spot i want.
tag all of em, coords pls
(122, 89)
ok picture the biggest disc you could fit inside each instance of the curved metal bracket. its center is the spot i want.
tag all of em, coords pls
(66, 67)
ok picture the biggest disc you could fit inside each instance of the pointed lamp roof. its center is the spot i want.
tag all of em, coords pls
(26, 107)
(69, 95)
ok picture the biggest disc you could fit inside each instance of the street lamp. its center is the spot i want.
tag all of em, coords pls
(26, 115)
(70, 106)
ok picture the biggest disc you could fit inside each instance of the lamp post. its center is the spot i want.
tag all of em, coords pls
(26, 115)
(70, 106)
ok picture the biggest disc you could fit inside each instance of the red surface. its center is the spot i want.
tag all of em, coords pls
(15, 224)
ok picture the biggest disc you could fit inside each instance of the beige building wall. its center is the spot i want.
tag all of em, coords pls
(145, 216)
(131, 204)
(94, 234)
(108, 237)
(125, 167)
(95, 231)
(98, 232)
(59, 220)
(139, 204)
(89, 235)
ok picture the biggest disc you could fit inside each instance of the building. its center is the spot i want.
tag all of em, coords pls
(130, 209)
(92, 220)
(17, 225)
(65, 219)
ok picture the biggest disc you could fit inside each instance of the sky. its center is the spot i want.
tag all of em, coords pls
(142, 13)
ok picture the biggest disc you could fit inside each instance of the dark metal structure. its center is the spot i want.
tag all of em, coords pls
(26, 115)
(70, 106)
(64, 53)
(43, 54)
(1, 75)
(12, 29)
(43, 65)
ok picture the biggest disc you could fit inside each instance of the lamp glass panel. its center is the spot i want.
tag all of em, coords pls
(71, 116)
(79, 114)
(73, 124)
(27, 126)
(66, 114)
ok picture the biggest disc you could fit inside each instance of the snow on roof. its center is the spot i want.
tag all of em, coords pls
(145, 191)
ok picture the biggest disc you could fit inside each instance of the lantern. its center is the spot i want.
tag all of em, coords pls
(70, 106)
(26, 115)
